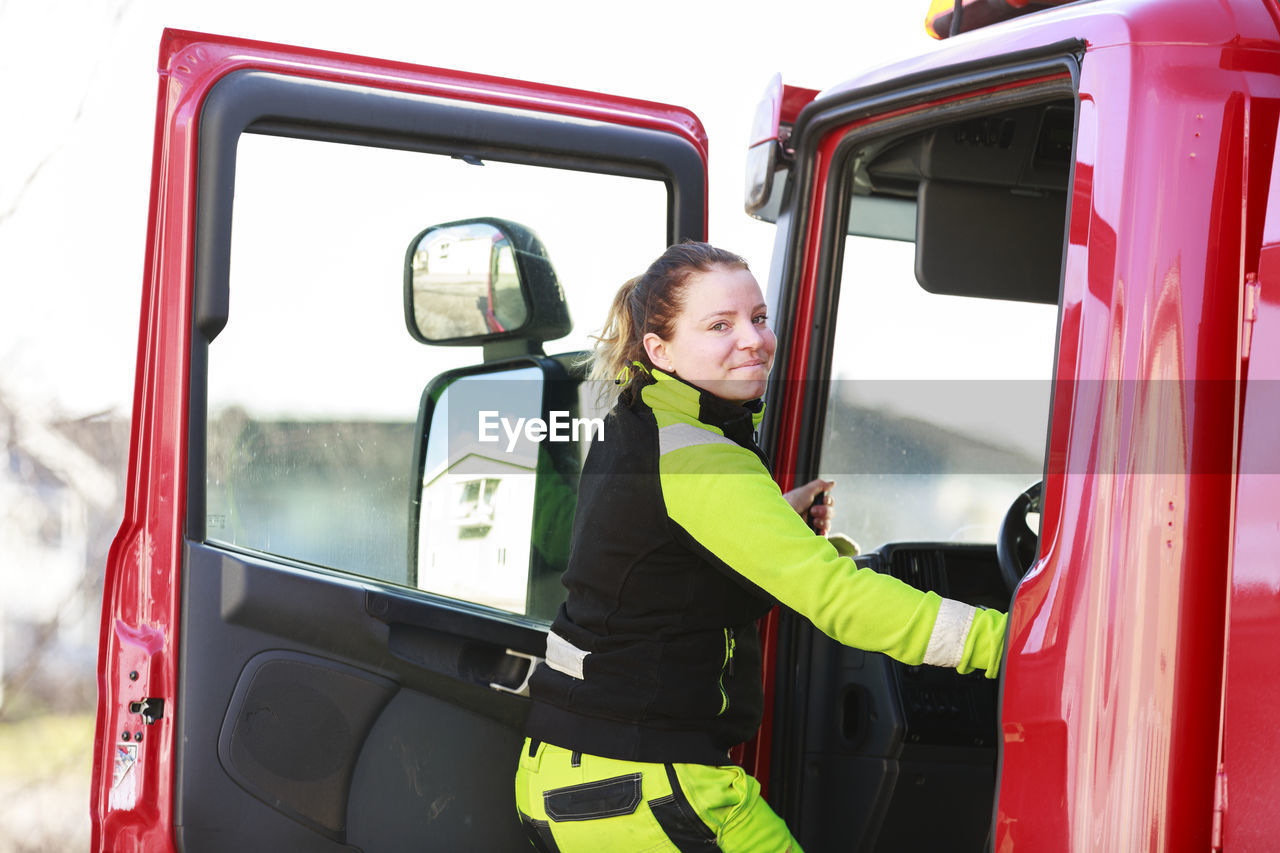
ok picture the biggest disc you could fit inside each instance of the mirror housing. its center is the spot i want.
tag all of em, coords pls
(769, 150)
(483, 281)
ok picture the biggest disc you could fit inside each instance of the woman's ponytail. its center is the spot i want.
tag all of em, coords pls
(619, 343)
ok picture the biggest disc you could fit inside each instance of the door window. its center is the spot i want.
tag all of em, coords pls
(946, 320)
(314, 384)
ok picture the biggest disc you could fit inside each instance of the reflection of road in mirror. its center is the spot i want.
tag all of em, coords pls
(449, 306)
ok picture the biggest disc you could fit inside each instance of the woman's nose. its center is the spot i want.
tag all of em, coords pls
(751, 337)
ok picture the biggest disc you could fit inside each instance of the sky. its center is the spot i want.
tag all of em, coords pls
(78, 95)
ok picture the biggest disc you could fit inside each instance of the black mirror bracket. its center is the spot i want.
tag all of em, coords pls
(499, 350)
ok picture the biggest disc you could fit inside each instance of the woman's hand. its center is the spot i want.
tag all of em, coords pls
(818, 516)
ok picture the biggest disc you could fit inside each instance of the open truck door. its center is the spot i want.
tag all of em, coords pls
(327, 593)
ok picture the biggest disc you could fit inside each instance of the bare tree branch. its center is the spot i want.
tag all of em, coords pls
(31, 177)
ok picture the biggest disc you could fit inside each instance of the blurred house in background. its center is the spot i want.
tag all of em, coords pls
(60, 503)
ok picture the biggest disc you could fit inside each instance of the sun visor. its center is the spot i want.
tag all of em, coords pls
(990, 242)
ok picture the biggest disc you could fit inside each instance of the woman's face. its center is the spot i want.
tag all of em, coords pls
(721, 341)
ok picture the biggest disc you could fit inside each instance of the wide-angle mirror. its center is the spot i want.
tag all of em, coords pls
(476, 508)
(499, 456)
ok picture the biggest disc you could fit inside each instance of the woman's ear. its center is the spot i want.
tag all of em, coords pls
(656, 348)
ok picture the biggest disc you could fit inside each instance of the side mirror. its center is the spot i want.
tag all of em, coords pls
(483, 281)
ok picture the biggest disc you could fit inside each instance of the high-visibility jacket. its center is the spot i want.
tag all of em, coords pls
(681, 541)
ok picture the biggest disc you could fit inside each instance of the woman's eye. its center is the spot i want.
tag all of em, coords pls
(719, 327)
(760, 319)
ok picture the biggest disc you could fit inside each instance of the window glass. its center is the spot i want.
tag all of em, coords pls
(938, 409)
(315, 383)
(937, 414)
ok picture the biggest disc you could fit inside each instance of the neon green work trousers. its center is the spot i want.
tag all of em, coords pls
(570, 803)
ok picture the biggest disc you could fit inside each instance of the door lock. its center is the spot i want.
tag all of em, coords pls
(150, 710)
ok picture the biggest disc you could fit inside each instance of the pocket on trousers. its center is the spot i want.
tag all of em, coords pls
(590, 800)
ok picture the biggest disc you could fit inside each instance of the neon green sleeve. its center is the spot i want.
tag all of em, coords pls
(723, 497)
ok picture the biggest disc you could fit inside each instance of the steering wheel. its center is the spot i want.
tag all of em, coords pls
(1016, 543)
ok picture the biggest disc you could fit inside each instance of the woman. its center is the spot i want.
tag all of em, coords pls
(682, 540)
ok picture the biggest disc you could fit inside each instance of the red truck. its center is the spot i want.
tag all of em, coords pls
(1031, 273)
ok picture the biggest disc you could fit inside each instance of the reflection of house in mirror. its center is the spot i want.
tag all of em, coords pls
(477, 512)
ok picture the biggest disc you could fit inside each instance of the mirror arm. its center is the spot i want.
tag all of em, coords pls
(504, 349)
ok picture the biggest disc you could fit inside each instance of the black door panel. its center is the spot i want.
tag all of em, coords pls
(342, 732)
(431, 771)
(293, 732)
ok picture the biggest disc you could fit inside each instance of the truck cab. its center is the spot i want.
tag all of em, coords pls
(1023, 288)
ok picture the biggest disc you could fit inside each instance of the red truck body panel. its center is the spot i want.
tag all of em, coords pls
(1115, 642)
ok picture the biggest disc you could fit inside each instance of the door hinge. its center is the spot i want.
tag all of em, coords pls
(1252, 288)
(1219, 808)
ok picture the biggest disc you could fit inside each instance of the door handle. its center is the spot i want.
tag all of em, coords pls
(523, 688)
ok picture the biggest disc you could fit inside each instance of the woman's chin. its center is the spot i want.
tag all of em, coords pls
(739, 389)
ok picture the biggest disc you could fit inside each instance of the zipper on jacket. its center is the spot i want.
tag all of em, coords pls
(730, 645)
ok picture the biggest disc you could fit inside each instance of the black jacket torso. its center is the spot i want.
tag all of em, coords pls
(672, 667)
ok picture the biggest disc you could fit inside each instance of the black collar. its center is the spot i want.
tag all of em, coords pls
(738, 421)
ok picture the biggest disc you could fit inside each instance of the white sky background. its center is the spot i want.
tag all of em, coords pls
(78, 98)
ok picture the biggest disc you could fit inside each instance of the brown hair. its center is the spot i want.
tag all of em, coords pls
(650, 303)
